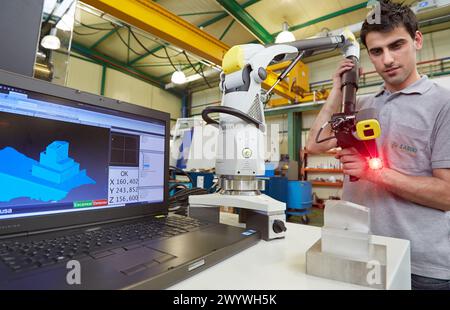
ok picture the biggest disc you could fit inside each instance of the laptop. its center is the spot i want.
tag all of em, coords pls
(84, 195)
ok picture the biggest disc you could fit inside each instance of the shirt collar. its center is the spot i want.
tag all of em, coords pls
(418, 87)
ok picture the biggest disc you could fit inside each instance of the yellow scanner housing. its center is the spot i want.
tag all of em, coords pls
(368, 129)
(233, 60)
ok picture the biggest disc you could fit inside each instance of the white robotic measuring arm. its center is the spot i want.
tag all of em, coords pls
(241, 139)
(242, 122)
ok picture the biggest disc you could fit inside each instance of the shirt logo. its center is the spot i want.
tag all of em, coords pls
(408, 149)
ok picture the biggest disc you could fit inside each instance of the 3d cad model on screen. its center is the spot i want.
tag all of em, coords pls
(49, 179)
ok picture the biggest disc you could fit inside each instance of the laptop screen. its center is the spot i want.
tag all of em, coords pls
(58, 155)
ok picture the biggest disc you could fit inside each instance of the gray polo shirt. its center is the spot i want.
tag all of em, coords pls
(415, 139)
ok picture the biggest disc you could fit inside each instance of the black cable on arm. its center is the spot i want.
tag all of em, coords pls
(320, 131)
(231, 111)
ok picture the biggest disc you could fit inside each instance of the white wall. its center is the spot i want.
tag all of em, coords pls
(84, 76)
(201, 99)
(282, 122)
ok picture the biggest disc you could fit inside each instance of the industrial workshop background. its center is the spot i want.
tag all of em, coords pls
(133, 58)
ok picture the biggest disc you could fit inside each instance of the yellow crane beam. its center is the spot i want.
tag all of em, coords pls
(153, 18)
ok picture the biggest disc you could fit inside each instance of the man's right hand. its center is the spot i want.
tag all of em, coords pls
(345, 65)
(333, 105)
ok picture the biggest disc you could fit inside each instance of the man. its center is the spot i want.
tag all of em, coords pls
(409, 197)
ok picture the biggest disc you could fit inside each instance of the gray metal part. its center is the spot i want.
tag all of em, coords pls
(293, 171)
(213, 244)
(234, 183)
(20, 24)
(318, 44)
(253, 220)
(210, 214)
(257, 222)
(332, 267)
(262, 223)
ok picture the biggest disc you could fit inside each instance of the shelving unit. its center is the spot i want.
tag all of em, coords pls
(331, 184)
(326, 170)
(305, 170)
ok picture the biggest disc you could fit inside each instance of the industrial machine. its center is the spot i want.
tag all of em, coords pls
(240, 149)
(193, 145)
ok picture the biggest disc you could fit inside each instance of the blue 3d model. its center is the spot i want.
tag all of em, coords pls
(50, 179)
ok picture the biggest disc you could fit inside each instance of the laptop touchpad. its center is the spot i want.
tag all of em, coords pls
(135, 257)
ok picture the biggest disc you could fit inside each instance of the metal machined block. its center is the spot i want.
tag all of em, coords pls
(371, 273)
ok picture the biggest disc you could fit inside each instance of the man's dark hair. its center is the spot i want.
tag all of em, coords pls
(393, 15)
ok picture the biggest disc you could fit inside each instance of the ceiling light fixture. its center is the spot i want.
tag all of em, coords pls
(285, 35)
(178, 77)
(51, 41)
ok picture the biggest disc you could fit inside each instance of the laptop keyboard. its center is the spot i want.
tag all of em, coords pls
(30, 255)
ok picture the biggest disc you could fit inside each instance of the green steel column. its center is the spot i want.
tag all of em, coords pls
(242, 16)
(128, 49)
(102, 87)
(227, 29)
(158, 48)
(184, 104)
(350, 9)
(106, 36)
(224, 14)
(299, 128)
(200, 13)
(294, 134)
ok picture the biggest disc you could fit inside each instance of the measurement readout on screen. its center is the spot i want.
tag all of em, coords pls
(123, 186)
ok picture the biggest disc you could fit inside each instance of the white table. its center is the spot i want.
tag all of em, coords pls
(280, 264)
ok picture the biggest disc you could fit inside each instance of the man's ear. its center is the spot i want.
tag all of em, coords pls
(418, 40)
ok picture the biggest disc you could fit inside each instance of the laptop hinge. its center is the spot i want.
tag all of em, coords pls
(13, 236)
(37, 232)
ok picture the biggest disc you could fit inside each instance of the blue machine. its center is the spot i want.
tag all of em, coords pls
(296, 194)
(184, 148)
(299, 198)
(269, 169)
(202, 177)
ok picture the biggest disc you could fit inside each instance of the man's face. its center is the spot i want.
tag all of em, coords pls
(394, 55)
